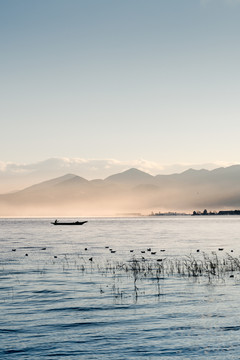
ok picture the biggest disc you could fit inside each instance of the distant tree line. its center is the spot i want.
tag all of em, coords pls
(221, 212)
(170, 213)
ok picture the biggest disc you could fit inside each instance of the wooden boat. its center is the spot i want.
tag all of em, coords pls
(68, 223)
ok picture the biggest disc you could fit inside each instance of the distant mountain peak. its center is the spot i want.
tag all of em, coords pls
(59, 181)
(67, 177)
(195, 171)
(131, 176)
(135, 171)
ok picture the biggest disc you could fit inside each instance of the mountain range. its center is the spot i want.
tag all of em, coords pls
(131, 191)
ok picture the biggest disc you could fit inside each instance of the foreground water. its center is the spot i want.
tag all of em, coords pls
(63, 294)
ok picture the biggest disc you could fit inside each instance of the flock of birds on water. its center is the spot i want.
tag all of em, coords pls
(147, 251)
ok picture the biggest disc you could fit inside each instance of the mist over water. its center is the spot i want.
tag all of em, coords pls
(57, 303)
(131, 191)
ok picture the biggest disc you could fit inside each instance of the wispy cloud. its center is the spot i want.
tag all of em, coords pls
(96, 168)
(15, 176)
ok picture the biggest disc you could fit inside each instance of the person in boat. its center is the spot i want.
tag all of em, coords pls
(56, 221)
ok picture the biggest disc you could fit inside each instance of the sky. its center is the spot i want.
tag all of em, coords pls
(128, 80)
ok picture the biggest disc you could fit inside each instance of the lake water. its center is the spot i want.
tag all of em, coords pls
(65, 295)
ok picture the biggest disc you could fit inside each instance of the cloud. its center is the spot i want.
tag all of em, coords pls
(90, 168)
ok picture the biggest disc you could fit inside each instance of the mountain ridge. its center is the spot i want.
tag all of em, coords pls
(131, 190)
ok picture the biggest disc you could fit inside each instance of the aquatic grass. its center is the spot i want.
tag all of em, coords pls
(137, 276)
(208, 267)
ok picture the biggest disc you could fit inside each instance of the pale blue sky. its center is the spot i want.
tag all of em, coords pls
(122, 79)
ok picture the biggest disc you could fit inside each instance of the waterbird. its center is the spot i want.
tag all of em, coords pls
(220, 249)
(163, 250)
(143, 252)
(198, 250)
(153, 252)
(90, 259)
(26, 254)
(106, 247)
(131, 250)
(85, 249)
(13, 249)
(159, 259)
(44, 248)
(113, 251)
(55, 256)
(149, 249)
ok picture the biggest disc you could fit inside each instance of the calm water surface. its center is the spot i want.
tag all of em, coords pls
(56, 303)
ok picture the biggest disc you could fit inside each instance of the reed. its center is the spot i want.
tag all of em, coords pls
(134, 272)
(208, 267)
